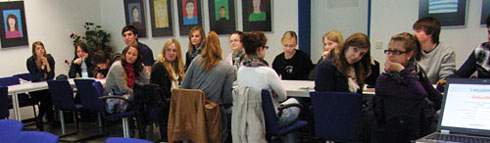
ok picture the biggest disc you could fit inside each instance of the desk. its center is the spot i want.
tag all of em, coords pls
(14, 90)
(302, 88)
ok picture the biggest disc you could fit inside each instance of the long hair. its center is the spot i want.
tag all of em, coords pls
(34, 48)
(138, 64)
(335, 36)
(362, 67)
(211, 53)
(201, 31)
(84, 48)
(176, 66)
(410, 43)
(16, 22)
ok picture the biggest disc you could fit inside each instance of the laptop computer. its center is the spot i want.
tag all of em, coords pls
(465, 113)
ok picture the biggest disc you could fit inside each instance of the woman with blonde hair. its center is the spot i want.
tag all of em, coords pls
(292, 64)
(331, 40)
(208, 72)
(167, 72)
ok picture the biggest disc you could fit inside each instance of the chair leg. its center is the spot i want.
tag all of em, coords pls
(62, 120)
(125, 127)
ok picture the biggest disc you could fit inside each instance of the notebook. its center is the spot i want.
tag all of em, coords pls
(465, 113)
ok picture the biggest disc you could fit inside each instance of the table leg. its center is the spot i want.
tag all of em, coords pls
(15, 104)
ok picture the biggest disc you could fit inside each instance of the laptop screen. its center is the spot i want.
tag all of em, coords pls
(466, 106)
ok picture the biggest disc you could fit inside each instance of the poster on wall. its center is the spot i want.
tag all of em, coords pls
(485, 11)
(448, 12)
(189, 15)
(161, 18)
(256, 15)
(222, 16)
(14, 31)
(134, 13)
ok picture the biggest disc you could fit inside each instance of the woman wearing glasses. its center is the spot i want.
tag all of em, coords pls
(404, 74)
(400, 105)
(292, 64)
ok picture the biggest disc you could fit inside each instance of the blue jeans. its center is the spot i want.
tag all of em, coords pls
(289, 116)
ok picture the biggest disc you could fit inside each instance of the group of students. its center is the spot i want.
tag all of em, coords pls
(414, 62)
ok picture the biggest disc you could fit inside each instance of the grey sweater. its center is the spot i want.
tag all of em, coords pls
(116, 79)
(439, 63)
(217, 84)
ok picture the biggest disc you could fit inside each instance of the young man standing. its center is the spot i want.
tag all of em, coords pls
(130, 36)
(440, 60)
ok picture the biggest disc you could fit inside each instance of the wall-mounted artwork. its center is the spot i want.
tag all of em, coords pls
(485, 11)
(448, 12)
(135, 15)
(189, 15)
(256, 15)
(13, 23)
(161, 18)
(222, 16)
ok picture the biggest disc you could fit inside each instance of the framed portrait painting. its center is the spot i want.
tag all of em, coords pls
(161, 18)
(135, 15)
(448, 12)
(189, 15)
(222, 16)
(485, 11)
(256, 15)
(13, 23)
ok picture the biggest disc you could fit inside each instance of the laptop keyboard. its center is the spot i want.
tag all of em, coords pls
(459, 138)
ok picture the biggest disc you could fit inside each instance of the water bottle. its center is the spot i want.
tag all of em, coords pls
(84, 69)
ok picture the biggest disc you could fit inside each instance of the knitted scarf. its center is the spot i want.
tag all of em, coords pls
(254, 61)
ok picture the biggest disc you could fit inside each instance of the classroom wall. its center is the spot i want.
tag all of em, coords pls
(284, 18)
(390, 17)
(50, 21)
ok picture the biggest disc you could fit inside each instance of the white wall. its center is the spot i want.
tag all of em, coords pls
(346, 16)
(390, 17)
(284, 18)
(50, 21)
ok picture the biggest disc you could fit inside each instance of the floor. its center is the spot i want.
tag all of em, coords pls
(87, 129)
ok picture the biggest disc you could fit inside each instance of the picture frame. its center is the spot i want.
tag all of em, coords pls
(134, 11)
(222, 16)
(161, 18)
(14, 30)
(452, 12)
(485, 11)
(187, 20)
(256, 15)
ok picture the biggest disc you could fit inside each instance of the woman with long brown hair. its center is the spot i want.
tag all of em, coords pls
(349, 67)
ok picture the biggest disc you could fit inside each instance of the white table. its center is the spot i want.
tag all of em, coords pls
(302, 88)
(15, 90)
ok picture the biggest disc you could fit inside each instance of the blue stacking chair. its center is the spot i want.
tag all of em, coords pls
(125, 140)
(25, 76)
(62, 97)
(9, 130)
(337, 115)
(4, 108)
(91, 96)
(36, 137)
(271, 120)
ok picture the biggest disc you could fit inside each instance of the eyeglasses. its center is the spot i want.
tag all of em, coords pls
(395, 52)
(266, 47)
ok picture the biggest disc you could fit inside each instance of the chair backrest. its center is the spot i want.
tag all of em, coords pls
(89, 95)
(4, 108)
(25, 76)
(36, 137)
(8, 81)
(271, 120)
(9, 130)
(337, 115)
(61, 94)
